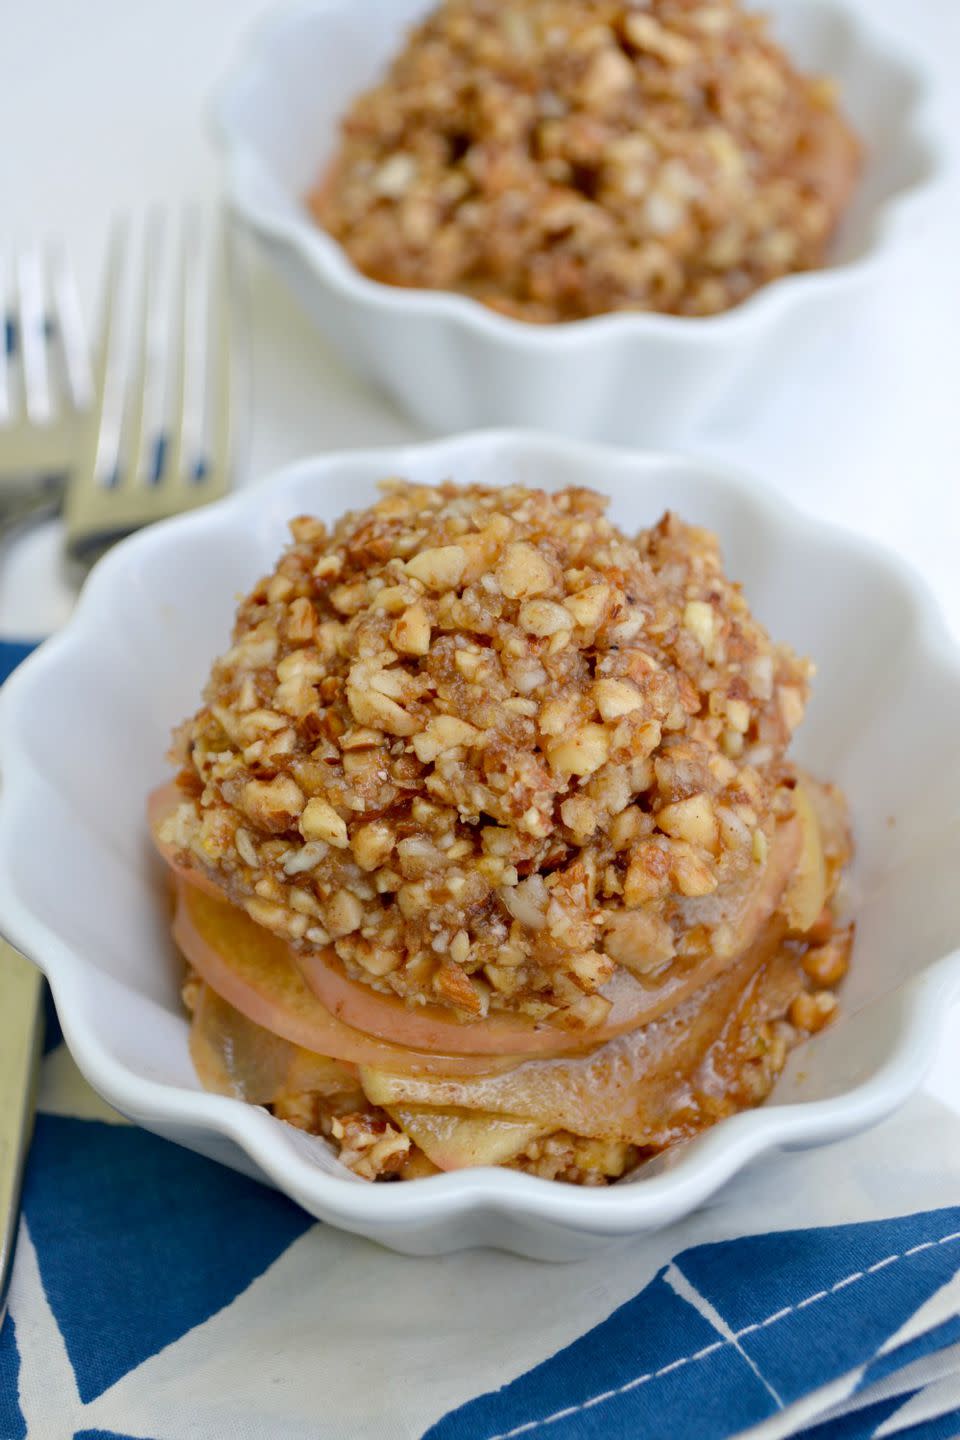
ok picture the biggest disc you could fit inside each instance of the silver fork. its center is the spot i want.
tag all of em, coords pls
(160, 441)
(46, 385)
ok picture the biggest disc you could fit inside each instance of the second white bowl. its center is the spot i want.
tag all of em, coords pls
(634, 378)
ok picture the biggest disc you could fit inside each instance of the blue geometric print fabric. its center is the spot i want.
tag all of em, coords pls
(828, 1298)
(143, 1268)
(11, 653)
(138, 1242)
(795, 1311)
(12, 1424)
(140, 1262)
(866, 1424)
(645, 1362)
(929, 1343)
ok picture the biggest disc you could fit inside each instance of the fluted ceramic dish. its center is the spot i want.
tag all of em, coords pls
(84, 725)
(454, 364)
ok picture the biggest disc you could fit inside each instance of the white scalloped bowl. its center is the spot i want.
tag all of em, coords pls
(648, 379)
(84, 725)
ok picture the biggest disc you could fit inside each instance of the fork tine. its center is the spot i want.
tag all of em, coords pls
(190, 422)
(187, 345)
(33, 340)
(70, 330)
(136, 467)
(108, 377)
(220, 359)
(152, 447)
(97, 513)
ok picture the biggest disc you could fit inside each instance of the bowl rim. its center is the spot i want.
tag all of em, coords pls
(245, 174)
(704, 1163)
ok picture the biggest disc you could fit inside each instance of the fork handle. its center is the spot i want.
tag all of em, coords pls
(21, 1031)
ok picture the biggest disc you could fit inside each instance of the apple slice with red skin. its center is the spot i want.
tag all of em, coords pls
(457, 1140)
(639, 1087)
(234, 1056)
(161, 804)
(435, 1028)
(634, 1003)
(252, 970)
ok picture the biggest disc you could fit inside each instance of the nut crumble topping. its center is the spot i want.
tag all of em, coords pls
(489, 749)
(558, 159)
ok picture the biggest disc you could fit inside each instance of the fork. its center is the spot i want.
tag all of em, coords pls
(46, 386)
(45, 389)
(137, 459)
(160, 440)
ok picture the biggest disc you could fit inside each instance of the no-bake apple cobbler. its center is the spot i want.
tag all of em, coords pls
(486, 844)
(556, 159)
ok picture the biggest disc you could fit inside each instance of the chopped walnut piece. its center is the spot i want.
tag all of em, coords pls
(643, 32)
(581, 753)
(640, 941)
(616, 698)
(812, 1011)
(344, 913)
(439, 568)
(543, 617)
(588, 607)
(410, 632)
(523, 571)
(370, 1146)
(456, 988)
(691, 874)
(372, 707)
(692, 820)
(648, 873)
(372, 844)
(443, 733)
(273, 805)
(827, 964)
(320, 821)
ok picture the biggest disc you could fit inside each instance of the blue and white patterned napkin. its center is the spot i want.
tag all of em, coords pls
(157, 1296)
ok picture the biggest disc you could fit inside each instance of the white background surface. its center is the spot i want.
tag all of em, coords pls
(102, 114)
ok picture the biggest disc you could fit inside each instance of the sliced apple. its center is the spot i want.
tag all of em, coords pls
(628, 1089)
(834, 821)
(161, 803)
(456, 1139)
(634, 1003)
(806, 894)
(428, 1027)
(251, 969)
(433, 1029)
(233, 1056)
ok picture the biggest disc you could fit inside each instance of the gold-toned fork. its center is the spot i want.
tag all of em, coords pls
(160, 442)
